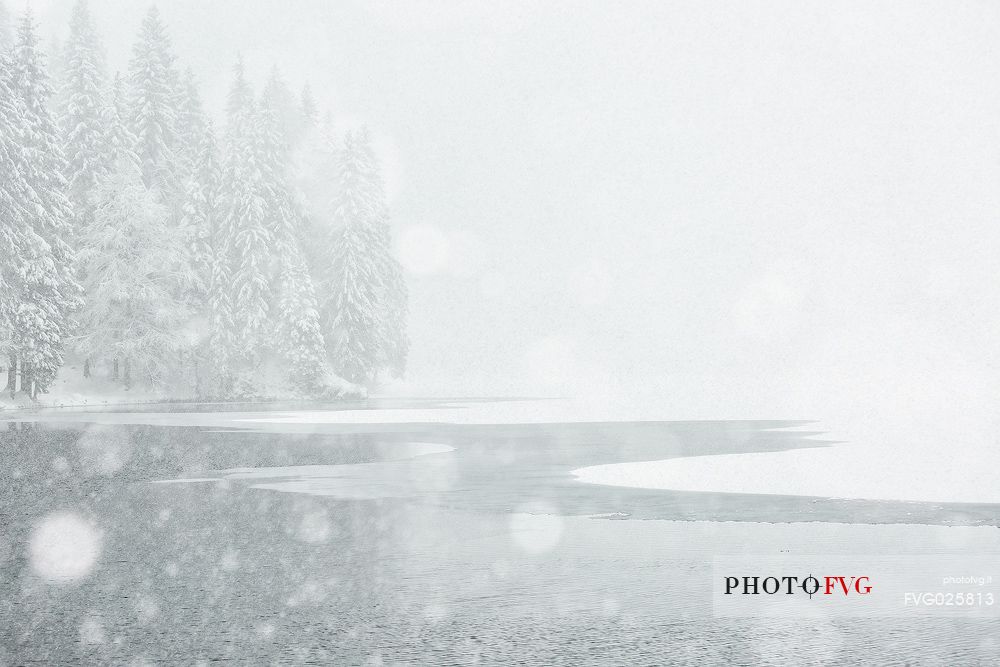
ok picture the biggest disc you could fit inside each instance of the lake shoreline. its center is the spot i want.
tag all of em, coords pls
(538, 459)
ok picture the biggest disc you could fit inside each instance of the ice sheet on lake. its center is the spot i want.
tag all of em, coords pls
(409, 474)
(512, 411)
(187, 480)
(943, 455)
(500, 412)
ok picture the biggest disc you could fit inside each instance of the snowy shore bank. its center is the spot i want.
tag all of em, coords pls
(841, 471)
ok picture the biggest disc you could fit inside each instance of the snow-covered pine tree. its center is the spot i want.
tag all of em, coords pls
(365, 307)
(222, 334)
(32, 84)
(82, 109)
(299, 334)
(275, 124)
(298, 337)
(278, 99)
(393, 305)
(129, 252)
(200, 223)
(56, 64)
(351, 319)
(201, 214)
(28, 266)
(152, 119)
(315, 163)
(245, 235)
(119, 142)
(240, 96)
(192, 124)
(394, 308)
(42, 318)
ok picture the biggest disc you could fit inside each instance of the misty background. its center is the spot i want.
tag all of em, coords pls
(659, 212)
(736, 209)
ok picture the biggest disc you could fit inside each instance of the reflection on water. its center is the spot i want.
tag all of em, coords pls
(488, 553)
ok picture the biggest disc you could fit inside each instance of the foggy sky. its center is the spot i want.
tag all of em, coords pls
(743, 207)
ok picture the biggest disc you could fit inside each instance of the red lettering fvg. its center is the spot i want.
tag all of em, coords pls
(842, 584)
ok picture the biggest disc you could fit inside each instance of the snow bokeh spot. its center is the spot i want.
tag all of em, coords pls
(314, 527)
(147, 608)
(610, 608)
(435, 613)
(230, 560)
(104, 450)
(310, 592)
(536, 527)
(501, 569)
(92, 631)
(6, 551)
(64, 547)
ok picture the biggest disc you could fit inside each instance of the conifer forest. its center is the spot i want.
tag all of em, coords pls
(151, 242)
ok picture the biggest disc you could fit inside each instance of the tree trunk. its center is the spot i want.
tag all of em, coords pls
(114, 369)
(127, 378)
(197, 375)
(27, 379)
(86, 367)
(12, 376)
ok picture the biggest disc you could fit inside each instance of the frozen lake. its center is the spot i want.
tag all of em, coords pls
(195, 536)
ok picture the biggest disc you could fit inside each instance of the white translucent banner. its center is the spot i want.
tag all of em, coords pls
(946, 585)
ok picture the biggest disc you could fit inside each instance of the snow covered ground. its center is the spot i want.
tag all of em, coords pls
(72, 389)
(908, 431)
(841, 471)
